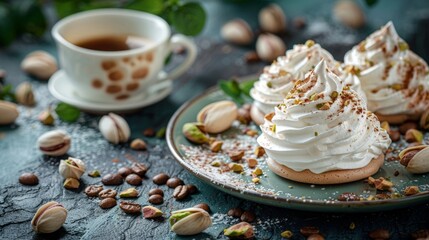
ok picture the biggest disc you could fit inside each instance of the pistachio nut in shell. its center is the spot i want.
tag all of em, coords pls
(419, 163)
(237, 31)
(193, 133)
(189, 221)
(24, 94)
(424, 120)
(39, 64)
(54, 143)
(72, 168)
(269, 47)
(218, 116)
(349, 13)
(8, 112)
(272, 19)
(49, 217)
(114, 128)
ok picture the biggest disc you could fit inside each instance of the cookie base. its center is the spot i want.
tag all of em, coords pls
(257, 115)
(397, 118)
(331, 177)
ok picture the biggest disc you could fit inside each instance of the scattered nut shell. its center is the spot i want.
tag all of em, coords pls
(138, 144)
(71, 183)
(24, 94)
(193, 133)
(349, 13)
(189, 221)
(272, 19)
(114, 128)
(150, 212)
(237, 31)
(54, 143)
(269, 47)
(72, 168)
(39, 64)
(218, 116)
(242, 230)
(46, 117)
(8, 112)
(419, 163)
(49, 218)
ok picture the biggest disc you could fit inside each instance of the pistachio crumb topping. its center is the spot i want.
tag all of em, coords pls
(309, 43)
(403, 46)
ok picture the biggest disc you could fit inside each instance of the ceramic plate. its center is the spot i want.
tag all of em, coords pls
(274, 190)
(61, 88)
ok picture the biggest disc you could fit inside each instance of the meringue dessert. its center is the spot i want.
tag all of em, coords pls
(279, 78)
(322, 133)
(394, 79)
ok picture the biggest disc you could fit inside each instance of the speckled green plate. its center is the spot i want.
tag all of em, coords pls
(272, 189)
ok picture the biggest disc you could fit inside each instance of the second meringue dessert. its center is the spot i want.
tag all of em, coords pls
(322, 133)
(279, 78)
(394, 78)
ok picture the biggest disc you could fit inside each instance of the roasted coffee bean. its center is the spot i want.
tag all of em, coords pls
(134, 179)
(125, 171)
(307, 231)
(112, 179)
(130, 208)
(149, 132)
(180, 192)
(394, 135)
(315, 237)
(203, 206)
(107, 203)
(407, 126)
(139, 169)
(154, 191)
(379, 234)
(192, 189)
(174, 182)
(235, 212)
(347, 196)
(247, 217)
(107, 193)
(156, 199)
(29, 179)
(160, 179)
(420, 234)
(93, 190)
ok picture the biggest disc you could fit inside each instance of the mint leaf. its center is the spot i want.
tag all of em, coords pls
(246, 86)
(371, 3)
(150, 6)
(230, 88)
(189, 19)
(67, 113)
(6, 93)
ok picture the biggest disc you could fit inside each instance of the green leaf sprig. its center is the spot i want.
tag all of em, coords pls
(67, 113)
(238, 91)
(6, 93)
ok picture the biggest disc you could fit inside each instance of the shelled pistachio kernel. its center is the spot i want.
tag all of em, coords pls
(129, 193)
(235, 167)
(216, 163)
(216, 146)
(256, 180)
(71, 183)
(251, 162)
(150, 212)
(257, 172)
(286, 234)
(94, 174)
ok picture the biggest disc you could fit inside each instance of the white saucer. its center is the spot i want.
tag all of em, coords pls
(61, 88)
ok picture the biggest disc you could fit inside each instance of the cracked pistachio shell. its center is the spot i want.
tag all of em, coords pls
(72, 168)
(193, 133)
(24, 94)
(39, 64)
(54, 143)
(114, 128)
(420, 162)
(269, 47)
(272, 19)
(218, 116)
(189, 221)
(8, 112)
(237, 31)
(49, 218)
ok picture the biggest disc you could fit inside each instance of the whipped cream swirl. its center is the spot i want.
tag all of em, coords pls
(394, 79)
(322, 126)
(278, 78)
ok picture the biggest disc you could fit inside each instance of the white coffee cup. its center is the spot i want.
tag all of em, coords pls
(112, 76)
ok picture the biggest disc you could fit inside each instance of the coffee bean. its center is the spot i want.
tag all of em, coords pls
(149, 132)
(154, 191)
(107, 193)
(420, 234)
(112, 179)
(28, 179)
(156, 199)
(160, 179)
(315, 237)
(130, 208)
(93, 190)
(348, 197)
(180, 192)
(235, 212)
(134, 179)
(407, 126)
(379, 234)
(174, 182)
(107, 203)
(394, 135)
(192, 189)
(139, 169)
(247, 217)
(307, 231)
(203, 206)
(125, 171)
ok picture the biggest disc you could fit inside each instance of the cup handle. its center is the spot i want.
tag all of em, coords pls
(181, 40)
